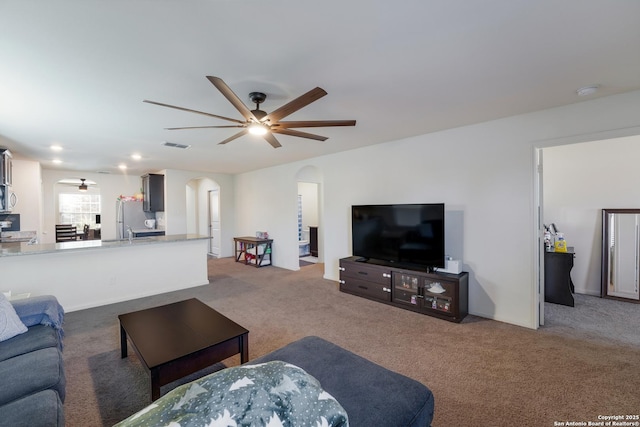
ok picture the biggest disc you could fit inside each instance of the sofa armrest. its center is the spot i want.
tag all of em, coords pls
(41, 310)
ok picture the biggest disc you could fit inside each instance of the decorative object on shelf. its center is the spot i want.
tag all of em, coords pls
(262, 234)
(560, 245)
(436, 288)
(134, 198)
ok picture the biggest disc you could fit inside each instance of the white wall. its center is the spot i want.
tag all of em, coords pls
(579, 181)
(484, 173)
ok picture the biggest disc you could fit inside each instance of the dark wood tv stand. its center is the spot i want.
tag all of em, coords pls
(441, 295)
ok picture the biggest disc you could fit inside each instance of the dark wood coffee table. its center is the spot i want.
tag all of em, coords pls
(178, 339)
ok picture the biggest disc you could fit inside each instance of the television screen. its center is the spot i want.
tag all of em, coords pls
(411, 234)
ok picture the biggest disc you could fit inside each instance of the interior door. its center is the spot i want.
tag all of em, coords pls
(214, 223)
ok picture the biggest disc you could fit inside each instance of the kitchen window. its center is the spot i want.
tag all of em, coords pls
(79, 209)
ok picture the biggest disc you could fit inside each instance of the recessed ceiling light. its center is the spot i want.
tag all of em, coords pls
(122, 166)
(587, 90)
(56, 161)
(56, 147)
(136, 156)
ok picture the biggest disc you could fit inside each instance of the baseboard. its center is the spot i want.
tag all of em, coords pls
(587, 292)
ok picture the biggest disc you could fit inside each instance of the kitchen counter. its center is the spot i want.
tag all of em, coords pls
(91, 273)
(16, 236)
(18, 248)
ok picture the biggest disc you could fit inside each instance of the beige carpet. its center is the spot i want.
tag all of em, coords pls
(482, 372)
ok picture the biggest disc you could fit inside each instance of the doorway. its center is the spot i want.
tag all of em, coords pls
(203, 212)
(578, 179)
(214, 223)
(309, 222)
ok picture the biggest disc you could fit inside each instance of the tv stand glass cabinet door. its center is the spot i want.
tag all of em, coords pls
(253, 251)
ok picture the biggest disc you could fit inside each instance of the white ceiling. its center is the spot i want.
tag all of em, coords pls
(74, 73)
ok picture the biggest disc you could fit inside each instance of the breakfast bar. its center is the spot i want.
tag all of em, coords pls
(84, 274)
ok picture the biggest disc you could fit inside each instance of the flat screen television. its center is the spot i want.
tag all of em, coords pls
(404, 234)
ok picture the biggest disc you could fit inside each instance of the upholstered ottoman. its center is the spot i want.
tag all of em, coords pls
(370, 394)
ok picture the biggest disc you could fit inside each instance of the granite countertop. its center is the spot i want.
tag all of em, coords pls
(16, 248)
(16, 236)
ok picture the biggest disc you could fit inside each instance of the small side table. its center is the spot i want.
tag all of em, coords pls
(253, 251)
(558, 286)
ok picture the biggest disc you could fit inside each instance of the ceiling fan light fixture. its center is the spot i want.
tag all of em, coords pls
(82, 187)
(257, 129)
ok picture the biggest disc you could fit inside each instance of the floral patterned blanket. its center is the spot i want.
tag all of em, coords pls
(272, 394)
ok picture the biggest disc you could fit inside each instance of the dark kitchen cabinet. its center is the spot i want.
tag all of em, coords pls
(6, 167)
(153, 192)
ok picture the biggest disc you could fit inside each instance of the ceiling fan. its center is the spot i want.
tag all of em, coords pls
(82, 183)
(259, 122)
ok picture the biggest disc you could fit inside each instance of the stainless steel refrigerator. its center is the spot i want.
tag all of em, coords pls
(130, 214)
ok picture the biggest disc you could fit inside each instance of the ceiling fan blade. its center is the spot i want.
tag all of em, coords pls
(297, 133)
(237, 135)
(313, 123)
(296, 104)
(206, 127)
(192, 111)
(271, 139)
(232, 97)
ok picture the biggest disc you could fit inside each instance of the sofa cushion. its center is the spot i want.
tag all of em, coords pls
(10, 323)
(273, 393)
(32, 372)
(371, 395)
(42, 409)
(37, 337)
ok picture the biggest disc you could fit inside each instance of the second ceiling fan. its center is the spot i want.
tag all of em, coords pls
(262, 123)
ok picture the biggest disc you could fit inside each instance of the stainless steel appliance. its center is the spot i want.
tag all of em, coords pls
(130, 214)
(8, 198)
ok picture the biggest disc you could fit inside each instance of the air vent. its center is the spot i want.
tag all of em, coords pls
(174, 145)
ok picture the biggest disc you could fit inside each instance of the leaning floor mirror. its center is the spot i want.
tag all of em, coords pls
(621, 254)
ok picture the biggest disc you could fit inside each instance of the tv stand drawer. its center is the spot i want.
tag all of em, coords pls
(365, 289)
(369, 273)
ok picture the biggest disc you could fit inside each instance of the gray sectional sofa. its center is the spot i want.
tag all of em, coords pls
(31, 366)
